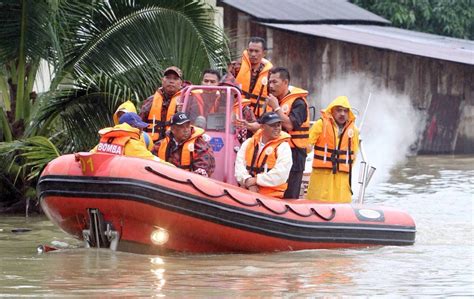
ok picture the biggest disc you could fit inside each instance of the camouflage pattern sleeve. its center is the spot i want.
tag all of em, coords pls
(204, 162)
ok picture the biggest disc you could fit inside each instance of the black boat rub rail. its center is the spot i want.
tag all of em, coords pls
(105, 188)
(258, 202)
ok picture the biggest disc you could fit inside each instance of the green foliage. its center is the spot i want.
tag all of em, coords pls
(445, 17)
(98, 54)
(29, 156)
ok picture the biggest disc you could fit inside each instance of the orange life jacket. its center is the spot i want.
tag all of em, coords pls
(256, 162)
(154, 117)
(299, 136)
(244, 76)
(200, 103)
(328, 154)
(187, 149)
(114, 141)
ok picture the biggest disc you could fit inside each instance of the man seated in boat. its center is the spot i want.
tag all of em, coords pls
(289, 102)
(336, 141)
(264, 161)
(203, 102)
(128, 106)
(186, 147)
(124, 138)
(158, 108)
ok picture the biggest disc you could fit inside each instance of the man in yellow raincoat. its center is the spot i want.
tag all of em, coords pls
(125, 107)
(336, 141)
(128, 106)
(124, 138)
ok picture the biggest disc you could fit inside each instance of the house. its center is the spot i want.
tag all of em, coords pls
(319, 41)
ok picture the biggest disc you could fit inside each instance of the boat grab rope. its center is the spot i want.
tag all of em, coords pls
(258, 202)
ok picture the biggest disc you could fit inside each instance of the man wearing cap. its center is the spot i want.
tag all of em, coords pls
(186, 147)
(290, 104)
(158, 109)
(336, 141)
(252, 73)
(264, 161)
(124, 138)
(128, 106)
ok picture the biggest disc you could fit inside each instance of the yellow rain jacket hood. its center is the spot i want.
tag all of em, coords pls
(127, 106)
(342, 101)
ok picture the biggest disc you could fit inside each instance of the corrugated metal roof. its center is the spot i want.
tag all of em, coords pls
(401, 40)
(306, 11)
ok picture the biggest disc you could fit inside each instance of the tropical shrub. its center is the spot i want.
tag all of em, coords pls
(92, 55)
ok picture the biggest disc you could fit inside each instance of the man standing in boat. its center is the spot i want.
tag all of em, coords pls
(290, 104)
(252, 73)
(186, 147)
(336, 141)
(158, 109)
(264, 161)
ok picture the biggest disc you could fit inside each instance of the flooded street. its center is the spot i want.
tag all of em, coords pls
(437, 191)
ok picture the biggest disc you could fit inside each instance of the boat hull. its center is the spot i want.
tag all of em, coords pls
(201, 215)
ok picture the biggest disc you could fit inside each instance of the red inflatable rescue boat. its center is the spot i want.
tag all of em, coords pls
(138, 205)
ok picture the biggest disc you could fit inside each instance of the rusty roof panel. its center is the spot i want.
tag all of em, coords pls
(396, 39)
(306, 11)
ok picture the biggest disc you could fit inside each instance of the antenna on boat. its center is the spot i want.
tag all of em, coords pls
(366, 170)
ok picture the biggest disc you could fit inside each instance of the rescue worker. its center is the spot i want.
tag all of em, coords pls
(290, 104)
(158, 109)
(205, 101)
(124, 138)
(336, 141)
(252, 73)
(263, 161)
(186, 147)
(125, 107)
(128, 106)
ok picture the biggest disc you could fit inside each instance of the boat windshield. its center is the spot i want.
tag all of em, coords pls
(214, 108)
(207, 107)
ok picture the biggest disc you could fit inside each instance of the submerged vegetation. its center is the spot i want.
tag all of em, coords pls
(91, 55)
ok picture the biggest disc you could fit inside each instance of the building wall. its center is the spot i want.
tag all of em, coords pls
(442, 90)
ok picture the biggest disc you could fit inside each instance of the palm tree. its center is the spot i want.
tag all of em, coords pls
(98, 53)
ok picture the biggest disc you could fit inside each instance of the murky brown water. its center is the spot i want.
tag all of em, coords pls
(437, 191)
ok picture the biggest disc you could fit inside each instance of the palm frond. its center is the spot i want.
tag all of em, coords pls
(81, 109)
(135, 49)
(36, 16)
(30, 154)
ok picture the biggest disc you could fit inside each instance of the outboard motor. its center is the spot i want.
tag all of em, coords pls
(100, 233)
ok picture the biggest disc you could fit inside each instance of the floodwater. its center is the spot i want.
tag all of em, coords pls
(438, 191)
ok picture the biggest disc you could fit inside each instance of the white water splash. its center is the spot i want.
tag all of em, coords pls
(391, 125)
